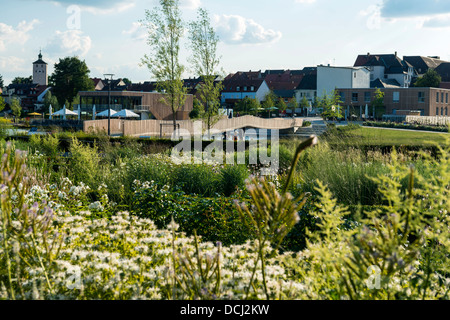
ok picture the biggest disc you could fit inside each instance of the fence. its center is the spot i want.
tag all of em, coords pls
(431, 121)
(165, 128)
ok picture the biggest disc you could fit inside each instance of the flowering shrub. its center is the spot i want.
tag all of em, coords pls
(53, 247)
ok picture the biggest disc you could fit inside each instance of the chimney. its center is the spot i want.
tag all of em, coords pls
(396, 54)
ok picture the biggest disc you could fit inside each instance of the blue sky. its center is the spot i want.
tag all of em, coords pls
(255, 34)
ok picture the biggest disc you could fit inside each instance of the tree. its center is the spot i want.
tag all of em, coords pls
(22, 80)
(1, 81)
(50, 99)
(247, 106)
(430, 79)
(205, 62)
(293, 104)
(165, 30)
(378, 103)
(269, 102)
(281, 105)
(2, 104)
(331, 105)
(15, 106)
(127, 81)
(71, 76)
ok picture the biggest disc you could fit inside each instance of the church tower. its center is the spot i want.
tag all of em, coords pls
(40, 71)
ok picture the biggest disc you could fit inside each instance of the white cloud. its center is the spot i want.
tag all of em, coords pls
(190, 4)
(118, 8)
(9, 34)
(234, 29)
(70, 42)
(136, 32)
(441, 21)
(373, 15)
(14, 64)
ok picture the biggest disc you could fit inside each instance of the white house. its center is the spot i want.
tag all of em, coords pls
(242, 85)
(329, 78)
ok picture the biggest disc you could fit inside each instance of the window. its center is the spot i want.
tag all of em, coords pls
(421, 96)
(442, 111)
(354, 97)
(238, 88)
(446, 111)
(442, 97)
(446, 98)
(342, 96)
(437, 111)
(367, 97)
(245, 88)
(253, 88)
(437, 96)
(354, 75)
(396, 97)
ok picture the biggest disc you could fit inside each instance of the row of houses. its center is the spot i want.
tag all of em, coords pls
(356, 84)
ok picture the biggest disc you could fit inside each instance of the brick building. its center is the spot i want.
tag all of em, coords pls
(427, 101)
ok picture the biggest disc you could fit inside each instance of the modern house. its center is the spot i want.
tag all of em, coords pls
(147, 104)
(426, 101)
(387, 67)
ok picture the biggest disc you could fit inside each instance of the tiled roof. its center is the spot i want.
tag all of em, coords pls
(238, 84)
(391, 62)
(143, 87)
(309, 82)
(444, 71)
(386, 83)
(422, 64)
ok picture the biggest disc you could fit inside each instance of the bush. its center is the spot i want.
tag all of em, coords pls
(84, 164)
(197, 179)
(233, 179)
(215, 219)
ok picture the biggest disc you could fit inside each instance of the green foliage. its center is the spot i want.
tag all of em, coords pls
(2, 103)
(233, 179)
(378, 103)
(430, 79)
(331, 105)
(50, 100)
(15, 106)
(71, 76)
(84, 164)
(165, 30)
(205, 62)
(22, 80)
(215, 219)
(196, 179)
(247, 106)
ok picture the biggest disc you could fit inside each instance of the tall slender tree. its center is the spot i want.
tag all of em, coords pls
(205, 62)
(165, 30)
(1, 81)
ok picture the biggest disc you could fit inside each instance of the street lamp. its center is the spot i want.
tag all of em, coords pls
(109, 100)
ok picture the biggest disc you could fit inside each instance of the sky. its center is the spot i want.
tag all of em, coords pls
(254, 34)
